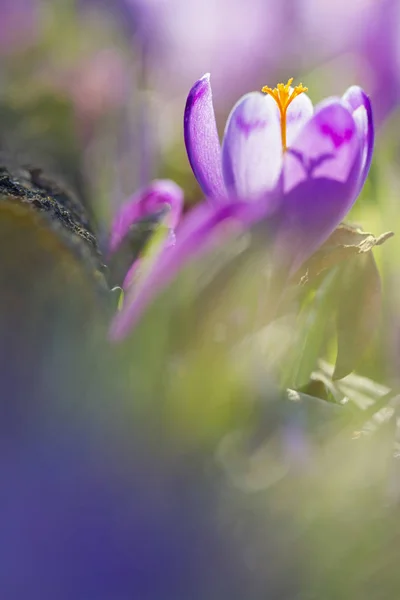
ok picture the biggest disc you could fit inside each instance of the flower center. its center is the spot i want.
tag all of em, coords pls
(283, 95)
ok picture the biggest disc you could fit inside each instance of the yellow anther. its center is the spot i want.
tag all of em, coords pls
(283, 95)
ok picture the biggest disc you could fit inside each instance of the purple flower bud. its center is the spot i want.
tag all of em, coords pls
(162, 197)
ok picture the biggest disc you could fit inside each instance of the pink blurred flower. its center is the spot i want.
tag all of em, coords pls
(98, 84)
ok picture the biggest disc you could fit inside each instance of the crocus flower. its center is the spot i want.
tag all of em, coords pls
(310, 163)
(281, 159)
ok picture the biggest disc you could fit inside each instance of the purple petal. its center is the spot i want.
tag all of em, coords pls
(298, 113)
(324, 147)
(252, 146)
(201, 139)
(202, 227)
(362, 113)
(321, 177)
(157, 196)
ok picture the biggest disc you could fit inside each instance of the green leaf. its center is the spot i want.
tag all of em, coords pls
(311, 333)
(345, 243)
(358, 311)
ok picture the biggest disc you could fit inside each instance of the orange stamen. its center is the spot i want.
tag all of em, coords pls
(283, 95)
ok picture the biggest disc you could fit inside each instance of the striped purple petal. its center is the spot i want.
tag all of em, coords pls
(321, 176)
(300, 110)
(201, 139)
(324, 147)
(252, 147)
(362, 113)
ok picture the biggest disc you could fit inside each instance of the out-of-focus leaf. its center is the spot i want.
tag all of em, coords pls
(370, 402)
(358, 311)
(344, 243)
(311, 334)
(318, 412)
(318, 389)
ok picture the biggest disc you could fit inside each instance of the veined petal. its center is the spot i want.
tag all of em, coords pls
(321, 175)
(160, 195)
(362, 112)
(202, 227)
(324, 147)
(201, 139)
(299, 111)
(252, 147)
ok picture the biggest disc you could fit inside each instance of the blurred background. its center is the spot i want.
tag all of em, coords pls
(180, 464)
(117, 73)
